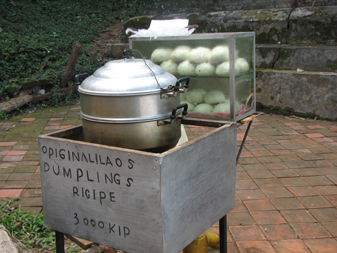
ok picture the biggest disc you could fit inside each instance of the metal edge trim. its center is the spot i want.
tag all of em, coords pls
(123, 120)
(129, 93)
(220, 35)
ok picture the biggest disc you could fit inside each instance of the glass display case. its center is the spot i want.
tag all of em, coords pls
(221, 67)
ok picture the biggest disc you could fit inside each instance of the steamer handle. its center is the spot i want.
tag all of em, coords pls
(77, 81)
(126, 52)
(186, 78)
(174, 111)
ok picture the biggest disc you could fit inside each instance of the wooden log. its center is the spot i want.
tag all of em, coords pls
(68, 74)
(15, 103)
(84, 244)
(8, 106)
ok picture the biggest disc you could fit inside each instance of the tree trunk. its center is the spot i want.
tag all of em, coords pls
(69, 72)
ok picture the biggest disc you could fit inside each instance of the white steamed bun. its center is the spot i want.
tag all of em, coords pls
(190, 105)
(219, 54)
(222, 69)
(199, 55)
(242, 65)
(214, 97)
(222, 108)
(205, 69)
(169, 66)
(195, 96)
(203, 108)
(161, 54)
(180, 53)
(186, 69)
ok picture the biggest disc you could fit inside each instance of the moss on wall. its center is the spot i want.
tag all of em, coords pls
(235, 28)
(194, 19)
(332, 65)
(287, 111)
(273, 36)
(265, 65)
(283, 55)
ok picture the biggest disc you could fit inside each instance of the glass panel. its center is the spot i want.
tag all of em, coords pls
(244, 80)
(207, 62)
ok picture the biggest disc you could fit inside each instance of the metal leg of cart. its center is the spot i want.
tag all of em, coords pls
(243, 141)
(223, 234)
(223, 220)
(59, 240)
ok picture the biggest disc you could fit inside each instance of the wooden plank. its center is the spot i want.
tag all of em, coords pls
(248, 119)
(84, 244)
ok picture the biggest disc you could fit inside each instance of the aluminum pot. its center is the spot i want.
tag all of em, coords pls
(132, 103)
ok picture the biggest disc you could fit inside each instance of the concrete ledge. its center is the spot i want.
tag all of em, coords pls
(305, 92)
(285, 57)
(176, 6)
(307, 26)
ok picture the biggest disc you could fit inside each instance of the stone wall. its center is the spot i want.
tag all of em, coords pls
(304, 92)
(272, 26)
(316, 58)
(159, 7)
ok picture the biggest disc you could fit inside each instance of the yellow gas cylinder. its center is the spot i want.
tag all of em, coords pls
(199, 245)
(213, 239)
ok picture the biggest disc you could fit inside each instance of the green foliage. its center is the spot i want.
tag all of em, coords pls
(26, 227)
(37, 36)
(55, 96)
(8, 89)
(4, 115)
(58, 99)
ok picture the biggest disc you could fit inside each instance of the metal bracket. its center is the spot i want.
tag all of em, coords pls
(174, 90)
(169, 94)
(164, 122)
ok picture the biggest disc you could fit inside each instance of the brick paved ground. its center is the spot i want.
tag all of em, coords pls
(286, 193)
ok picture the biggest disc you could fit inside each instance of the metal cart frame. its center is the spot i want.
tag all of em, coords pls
(59, 237)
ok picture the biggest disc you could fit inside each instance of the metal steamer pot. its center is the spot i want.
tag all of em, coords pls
(132, 103)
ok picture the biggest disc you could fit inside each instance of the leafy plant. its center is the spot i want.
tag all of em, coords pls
(37, 37)
(8, 89)
(55, 96)
(26, 227)
(29, 228)
(4, 115)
